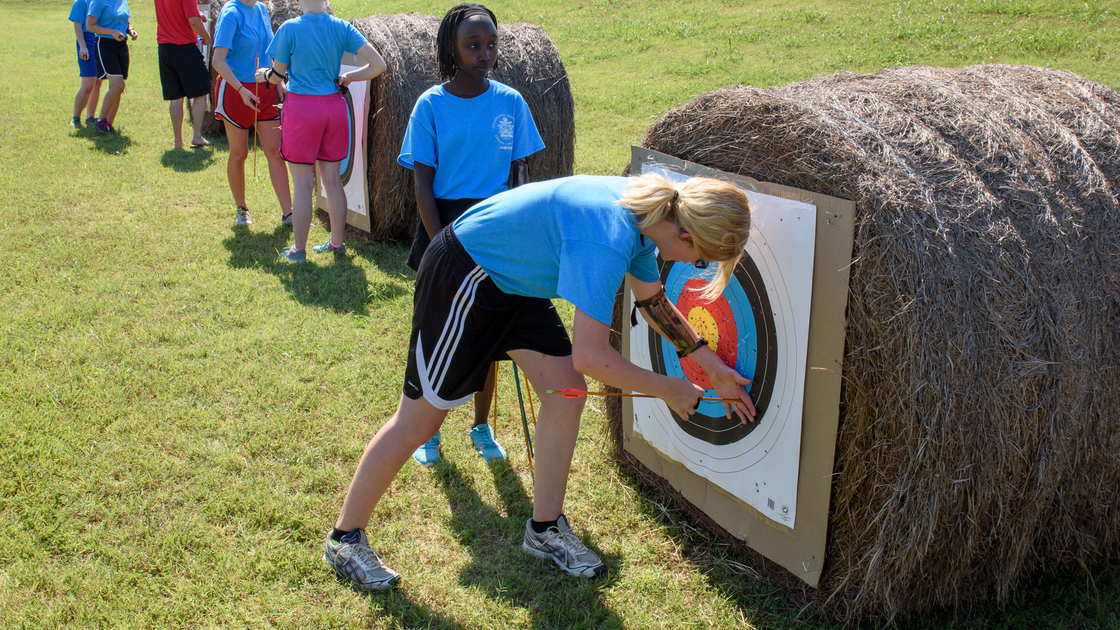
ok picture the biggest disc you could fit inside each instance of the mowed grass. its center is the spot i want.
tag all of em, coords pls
(180, 414)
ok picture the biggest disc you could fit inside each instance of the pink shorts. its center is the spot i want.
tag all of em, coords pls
(314, 128)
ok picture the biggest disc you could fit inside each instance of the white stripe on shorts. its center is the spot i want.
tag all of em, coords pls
(448, 340)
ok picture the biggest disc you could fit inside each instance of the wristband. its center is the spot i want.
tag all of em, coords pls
(700, 343)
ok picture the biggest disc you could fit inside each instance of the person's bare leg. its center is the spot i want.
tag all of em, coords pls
(303, 179)
(81, 99)
(484, 399)
(198, 111)
(336, 199)
(557, 428)
(235, 163)
(175, 109)
(414, 423)
(112, 99)
(269, 133)
(94, 97)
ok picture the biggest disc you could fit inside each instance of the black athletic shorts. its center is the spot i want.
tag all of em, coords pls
(112, 58)
(449, 210)
(182, 72)
(462, 322)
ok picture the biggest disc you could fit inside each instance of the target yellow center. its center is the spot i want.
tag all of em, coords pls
(705, 325)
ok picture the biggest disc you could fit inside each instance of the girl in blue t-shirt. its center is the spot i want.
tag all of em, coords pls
(90, 90)
(466, 140)
(110, 21)
(241, 40)
(307, 54)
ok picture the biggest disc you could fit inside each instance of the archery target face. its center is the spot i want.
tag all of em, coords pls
(353, 166)
(760, 326)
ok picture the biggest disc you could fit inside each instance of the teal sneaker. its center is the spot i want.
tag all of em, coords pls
(482, 437)
(328, 248)
(290, 256)
(428, 454)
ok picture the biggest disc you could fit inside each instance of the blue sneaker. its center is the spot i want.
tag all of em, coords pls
(428, 454)
(329, 248)
(290, 256)
(482, 437)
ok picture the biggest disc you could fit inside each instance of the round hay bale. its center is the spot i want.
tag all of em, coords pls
(280, 11)
(979, 437)
(528, 62)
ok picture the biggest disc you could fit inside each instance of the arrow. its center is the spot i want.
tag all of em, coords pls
(579, 393)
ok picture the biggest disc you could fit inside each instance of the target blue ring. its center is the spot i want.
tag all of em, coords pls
(747, 354)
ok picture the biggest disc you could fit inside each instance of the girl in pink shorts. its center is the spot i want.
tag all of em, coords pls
(315, 128)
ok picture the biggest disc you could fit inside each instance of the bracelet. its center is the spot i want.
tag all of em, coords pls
(700, 343)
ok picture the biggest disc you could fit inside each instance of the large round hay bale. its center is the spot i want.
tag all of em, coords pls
(528, 62)
(280, 11)
(979, 436)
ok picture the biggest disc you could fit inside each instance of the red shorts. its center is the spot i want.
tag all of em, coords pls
(315, 128)
(231, 108)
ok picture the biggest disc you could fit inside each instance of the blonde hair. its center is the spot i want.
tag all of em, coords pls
(715, 213)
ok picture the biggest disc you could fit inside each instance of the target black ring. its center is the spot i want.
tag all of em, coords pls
(720, 430)
(348, 163)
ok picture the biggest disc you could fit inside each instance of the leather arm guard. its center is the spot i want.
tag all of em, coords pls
(667, 321)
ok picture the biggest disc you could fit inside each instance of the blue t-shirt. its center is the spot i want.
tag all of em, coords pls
(469, 141)
(110, 14)
(312, 45)
(246, 32)
(562, 237)
(78, 13)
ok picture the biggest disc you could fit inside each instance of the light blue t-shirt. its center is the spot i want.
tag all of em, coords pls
(469, 141)
(562, 237)
(78, 13)
(312, 46)
(111, 14)
(246, 32)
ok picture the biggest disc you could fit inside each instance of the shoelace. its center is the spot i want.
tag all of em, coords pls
(570, 542)
(367, 557)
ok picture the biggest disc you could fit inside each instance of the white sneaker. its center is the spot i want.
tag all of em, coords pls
(565, 549)
(243, 217)
(358, 563)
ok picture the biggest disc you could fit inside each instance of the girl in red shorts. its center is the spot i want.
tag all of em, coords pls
(307, 54)
(241, 42)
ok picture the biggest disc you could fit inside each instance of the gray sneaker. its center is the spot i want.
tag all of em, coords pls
(358, 563)
(565, 549)
(243, 216)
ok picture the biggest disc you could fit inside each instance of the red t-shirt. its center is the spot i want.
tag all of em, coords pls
(173, 21)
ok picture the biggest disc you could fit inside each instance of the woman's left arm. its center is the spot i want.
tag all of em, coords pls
(727, 382)
(375, 65)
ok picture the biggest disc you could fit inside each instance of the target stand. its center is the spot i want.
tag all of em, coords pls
(780, 322)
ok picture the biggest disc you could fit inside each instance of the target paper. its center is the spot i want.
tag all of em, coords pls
(353, 167)
(759, 325)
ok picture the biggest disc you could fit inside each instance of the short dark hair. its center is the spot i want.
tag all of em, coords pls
(448, 28)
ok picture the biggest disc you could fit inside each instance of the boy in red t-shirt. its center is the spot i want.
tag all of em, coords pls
(182, 71)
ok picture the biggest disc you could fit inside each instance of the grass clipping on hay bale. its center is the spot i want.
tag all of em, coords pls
(280, 11)
(979, 435)
(528, 62)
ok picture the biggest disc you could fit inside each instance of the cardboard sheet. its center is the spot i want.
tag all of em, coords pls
(798, 544)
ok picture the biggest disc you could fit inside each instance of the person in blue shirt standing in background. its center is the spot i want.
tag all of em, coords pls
(307, 53)
(241, 40)
(109, 20)
(89, 92)
(466, 140)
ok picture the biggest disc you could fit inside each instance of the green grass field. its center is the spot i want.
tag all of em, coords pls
(180, 414)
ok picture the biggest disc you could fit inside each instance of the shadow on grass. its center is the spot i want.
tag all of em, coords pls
(110, 143)
(188, 160)
(325, 280)
(502, 570)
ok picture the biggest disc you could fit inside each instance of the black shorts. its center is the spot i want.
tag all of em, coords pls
(449, 210)
(182, 72)
(462, 322)
(112, 58)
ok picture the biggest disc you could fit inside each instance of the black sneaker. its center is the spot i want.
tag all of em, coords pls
(90, 120)
(564, 548)
(76, 122)
(102, 125)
